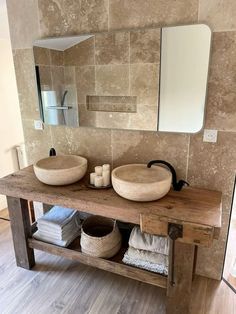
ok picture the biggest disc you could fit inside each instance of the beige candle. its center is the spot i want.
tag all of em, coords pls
(106, 177)
(106, 167)
(98, 170)
(92, 177)
(98, 181)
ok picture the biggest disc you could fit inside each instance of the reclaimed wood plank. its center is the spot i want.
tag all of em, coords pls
(114, 265)
(192, 205)
(179, 294)
(21, 231)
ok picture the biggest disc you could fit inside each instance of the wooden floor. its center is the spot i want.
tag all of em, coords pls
(231, 252)
(57, 285)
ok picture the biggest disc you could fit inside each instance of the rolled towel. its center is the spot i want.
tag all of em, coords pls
(148, 242)
(150, 266)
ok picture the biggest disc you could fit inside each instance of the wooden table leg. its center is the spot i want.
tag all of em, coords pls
(179, 294)
(21, 231)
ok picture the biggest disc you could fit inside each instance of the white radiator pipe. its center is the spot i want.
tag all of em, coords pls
(21, 156)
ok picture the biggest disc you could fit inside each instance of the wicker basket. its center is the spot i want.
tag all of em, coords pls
(100, 237)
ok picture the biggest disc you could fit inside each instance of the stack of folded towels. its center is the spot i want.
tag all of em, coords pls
(148, 252)
(59, 226)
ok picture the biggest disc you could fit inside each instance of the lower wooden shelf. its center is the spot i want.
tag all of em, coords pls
(114, 265)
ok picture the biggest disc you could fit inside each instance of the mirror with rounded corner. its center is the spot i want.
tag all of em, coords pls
(149, 79)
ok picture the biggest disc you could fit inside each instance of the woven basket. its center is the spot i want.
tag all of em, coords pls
(100, 237)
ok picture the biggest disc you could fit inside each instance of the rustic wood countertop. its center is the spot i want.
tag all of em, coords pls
(193, 205)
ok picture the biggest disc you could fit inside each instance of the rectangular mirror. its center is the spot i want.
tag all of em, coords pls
(185, 52)
(111, 80)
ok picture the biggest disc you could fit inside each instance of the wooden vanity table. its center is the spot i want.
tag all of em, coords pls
(196, 211)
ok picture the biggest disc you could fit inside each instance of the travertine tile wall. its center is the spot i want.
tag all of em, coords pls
(203, 164)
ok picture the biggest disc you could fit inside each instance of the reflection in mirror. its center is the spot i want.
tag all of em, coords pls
(107, 80)
(185, 54)
(56, 80)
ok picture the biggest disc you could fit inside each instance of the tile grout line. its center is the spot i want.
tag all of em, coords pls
(112, 164)
(187, 163)
(129, 68)
(108, 15)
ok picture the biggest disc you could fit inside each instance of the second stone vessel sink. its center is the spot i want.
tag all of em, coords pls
(60, 170)
(136, 182)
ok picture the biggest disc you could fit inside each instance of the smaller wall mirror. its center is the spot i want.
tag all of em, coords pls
(185, 52)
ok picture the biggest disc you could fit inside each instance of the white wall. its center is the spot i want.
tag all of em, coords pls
(11, 133)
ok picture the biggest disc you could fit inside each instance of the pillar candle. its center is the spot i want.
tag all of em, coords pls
(92, 177)
(98, 170)
(98, 181)
(106, 177)
(106, 167)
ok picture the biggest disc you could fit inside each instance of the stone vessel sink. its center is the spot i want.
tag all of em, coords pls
(136, 182)
(60, 170)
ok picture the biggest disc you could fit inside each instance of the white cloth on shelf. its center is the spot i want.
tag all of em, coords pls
(57, 217)
(148, 256)
(148, 242)
(157, 268)
(59, 226)
(40, 236)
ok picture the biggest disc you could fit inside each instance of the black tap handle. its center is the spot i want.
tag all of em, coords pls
(52, 152)
(176, 185)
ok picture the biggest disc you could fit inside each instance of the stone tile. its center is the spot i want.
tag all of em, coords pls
(112, 80)
(210, 260)
(58, 82)
(85, 82)
(141, 147)
(72, 17)
(145, 46)
(57, 57)
(221, 109)
(87, 118)
(212, 165)
(41, 56)
(144, 83)
(37, 142)
(212, 267)
(26, 83)
(112, 48)
(218, 14)
(139, 13)
(80, 54)
(45, 77)
(58, 79)
(69, 75)
(114, 120)
(75, 141)
(145, 118)
(23, 22)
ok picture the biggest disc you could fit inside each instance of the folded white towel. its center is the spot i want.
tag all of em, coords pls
(148, 242)
(57, 217)
(156, 268)
(59, 226)
(39, 236)
(61, 234)
(148, 256)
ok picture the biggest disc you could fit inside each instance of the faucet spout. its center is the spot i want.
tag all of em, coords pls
(176, 185)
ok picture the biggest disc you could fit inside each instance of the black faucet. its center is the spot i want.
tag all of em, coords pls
(176, 185)
(52, 152)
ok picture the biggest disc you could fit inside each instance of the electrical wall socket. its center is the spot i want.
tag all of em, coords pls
(38, 125)
(210, 136)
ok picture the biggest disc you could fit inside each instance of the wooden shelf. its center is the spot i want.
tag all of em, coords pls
(114, 265)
